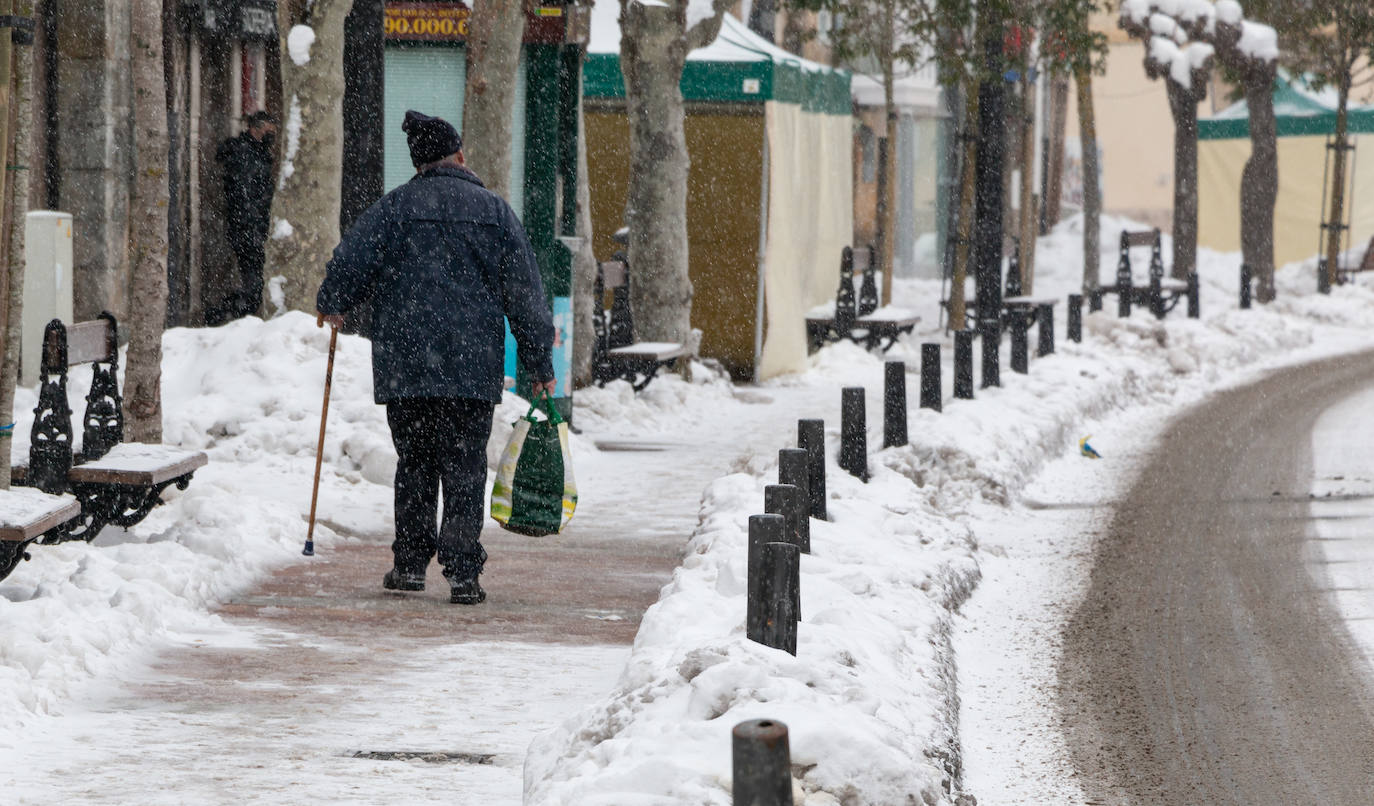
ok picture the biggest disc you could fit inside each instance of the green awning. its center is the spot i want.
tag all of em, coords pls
(1298, 112)
(739, 67)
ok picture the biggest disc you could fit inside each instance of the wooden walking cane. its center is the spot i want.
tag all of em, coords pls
(309, 550)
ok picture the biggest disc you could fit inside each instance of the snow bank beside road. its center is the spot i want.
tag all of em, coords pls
(869, 699)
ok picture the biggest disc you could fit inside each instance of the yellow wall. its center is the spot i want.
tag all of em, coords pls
(723, 199)
(1297, 215)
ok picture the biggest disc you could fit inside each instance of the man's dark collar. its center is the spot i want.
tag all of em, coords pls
(449, 169)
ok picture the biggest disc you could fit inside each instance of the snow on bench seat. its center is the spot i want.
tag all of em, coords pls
(654, 350)
(26, 513)
(135, 463)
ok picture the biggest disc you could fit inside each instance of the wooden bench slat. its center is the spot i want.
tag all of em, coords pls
(138, 465)
(1032, 301)
(1140, 238)
(34, 513)
(88, 341)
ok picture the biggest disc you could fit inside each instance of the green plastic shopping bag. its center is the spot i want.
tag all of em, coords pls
(534, 492)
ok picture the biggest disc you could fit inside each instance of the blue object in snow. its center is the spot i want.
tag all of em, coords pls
(1086, 449)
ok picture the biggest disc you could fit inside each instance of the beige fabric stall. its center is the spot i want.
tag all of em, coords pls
(810, 219)
(1297, 214)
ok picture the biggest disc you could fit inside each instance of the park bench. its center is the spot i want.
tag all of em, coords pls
(28, 516)
(861, 321)
(615, 353)
(1345, 274)
(1161, 294)
(113, 482)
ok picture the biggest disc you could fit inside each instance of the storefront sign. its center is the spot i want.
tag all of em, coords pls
(426, 22)
(448, 22)
(257, 19)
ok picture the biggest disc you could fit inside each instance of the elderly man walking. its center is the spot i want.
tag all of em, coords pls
(443, 261)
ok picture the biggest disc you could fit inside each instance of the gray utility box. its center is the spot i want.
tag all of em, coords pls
(47, 283)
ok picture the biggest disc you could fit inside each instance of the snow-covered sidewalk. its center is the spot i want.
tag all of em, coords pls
(872, 698)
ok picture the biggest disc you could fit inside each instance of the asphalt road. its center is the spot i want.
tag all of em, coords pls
(1206, 664)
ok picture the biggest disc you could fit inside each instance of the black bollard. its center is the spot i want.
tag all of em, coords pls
(1044, 331)
(781, 577)
(894, 404)
(1095, 302)
(930, 377)
(793, 470)
(761, 764)
(1076, 317)
(1020, 352)
(762, 529)
(1245, 286)
(811, 438)
(1194, 306)
(963, 365)
(991, 335)
(1323, 281)
(854, 432)
(786, 500)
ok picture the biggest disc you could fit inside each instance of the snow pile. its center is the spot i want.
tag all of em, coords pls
(1258, 41)
(869, 699)
(248, 394)
(298, 43)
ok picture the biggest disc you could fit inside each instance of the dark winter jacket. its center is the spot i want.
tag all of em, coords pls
(247, 168)
(443, 260)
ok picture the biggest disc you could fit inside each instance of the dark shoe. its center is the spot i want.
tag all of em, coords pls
(397, 581)
(468, 592)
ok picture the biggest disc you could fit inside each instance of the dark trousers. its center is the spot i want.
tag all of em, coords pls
(246, 298)
(440, 441)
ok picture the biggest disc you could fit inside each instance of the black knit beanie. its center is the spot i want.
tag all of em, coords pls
(430, 139)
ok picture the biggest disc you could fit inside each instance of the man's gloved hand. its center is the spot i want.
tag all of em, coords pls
(537, 389)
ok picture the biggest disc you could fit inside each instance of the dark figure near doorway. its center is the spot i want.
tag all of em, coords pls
(246, 163)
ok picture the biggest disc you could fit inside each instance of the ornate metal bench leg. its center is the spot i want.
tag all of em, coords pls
(11, 554)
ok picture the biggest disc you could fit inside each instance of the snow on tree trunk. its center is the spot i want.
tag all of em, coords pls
(584, 267)
(889, 200)
(495, 31)
(655, 40)
(148, 228)
(1092, 198)
(1259, 182)
(305, 208)
(17, 190)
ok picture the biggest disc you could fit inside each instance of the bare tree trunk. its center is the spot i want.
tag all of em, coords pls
(653, 48)
(148, 228)
(584, 267)
(968, 178)
(495, 30)
(1259, 182)
(305, 208)
(1092, 198)
(1337, 218)
(17, 191)
(889, 202)
(1028, 224)
(1059, 114)
(1183, 105)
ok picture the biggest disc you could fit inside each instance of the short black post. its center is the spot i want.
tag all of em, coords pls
(811, 438)
(930, 377)
(1076, 317)
(1044, 330)
(992, 352)
(761, 764)
(781, 595)
(1157, 296)
(894, 404)
(963, 365)
(1095, 302)
(1323, 280)
(1245, 286)
(762, 529)
(854, 432)
(1194, 307)
(786, 500)
(1020, 351)
(793, 469)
